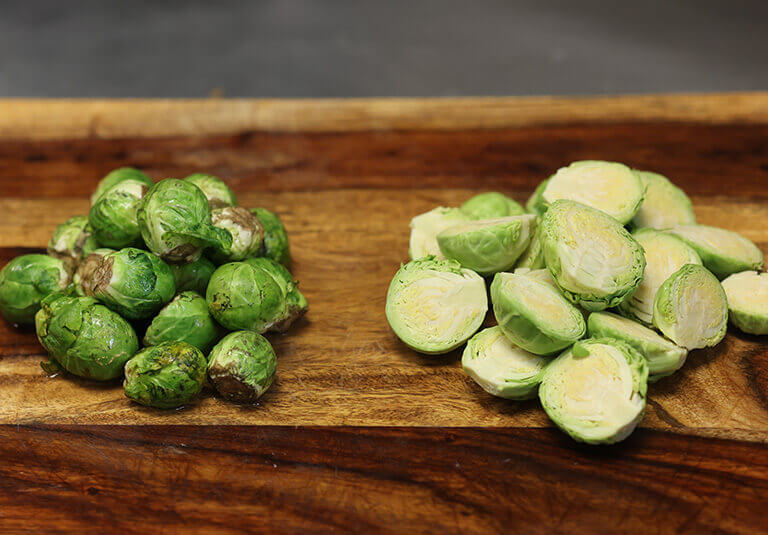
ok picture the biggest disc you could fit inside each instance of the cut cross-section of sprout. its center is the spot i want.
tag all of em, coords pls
(426, 227)
(665, 205)
(533, 256)
(747, 294)
(491, 205)
(723, 252)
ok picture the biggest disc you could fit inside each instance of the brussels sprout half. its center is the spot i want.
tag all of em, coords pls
(246, 230)
(242, 366)
(73, 239)
(113, 217)
(665, 205)
(83, 277)
(691, 308)
(491, 205)
(723, 252)
(435, 305)
(592, 257)
(115, 177)
(500, 367)
(185, 319)
(426, 227)
(193, 276)
(533, 256)
(747, 294)
(215, 190)
(595, 391)
(275, 244)
(25, 281)
(535, 203)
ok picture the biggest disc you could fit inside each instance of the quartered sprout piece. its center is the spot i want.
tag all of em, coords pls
(596, 390)
(500, 367)
(533, 256)
(592, 257)
(435, 305)
(665, 205)
(489, 245)
(747, 294)
(534, 315)
(663, 356)
(426, 227)
(723, 252)
(491, 205)
(664, 254)
(691, 308)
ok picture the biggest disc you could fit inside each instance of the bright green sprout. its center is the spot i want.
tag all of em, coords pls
(665, 205)
(246, 230)
(723, 252)
(114, 216)
(72, 240)
(535, 204)
(275, 245)
(25, 281)
(193, 276)
(117, 176)
(242, 366)
(747, 294)
(295, 303)
(426, 227)
(215, 189)
(185, 319)
(84, 274)
(491, 205)
(533, 256)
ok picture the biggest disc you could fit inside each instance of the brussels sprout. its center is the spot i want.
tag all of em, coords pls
(165, 376)
(435, 305)
(491, 205)
(534, 315)
(593, 259)
(72, 240)
(723, 252)
(185, 319)
(426, 227)
(115, 177)
(132, 282)
(747, 294)
(691, 309)
(275, 245)
(84, 275)
(664, 254)
(595, 391)
(500, 367)
(533, 256)
(242, 366)
(535, 204)
(489, 245)
(113, 217)
(25, 281)
(215, 189)
(193, 276)
(175, 222)
(246, 230)
(542, 275)
(607, 186)
(663, 357)
(295, 303)
(84, 337)
(665, 205)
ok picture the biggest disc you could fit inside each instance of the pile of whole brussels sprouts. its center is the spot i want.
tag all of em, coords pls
(177, 260)
(594, 236)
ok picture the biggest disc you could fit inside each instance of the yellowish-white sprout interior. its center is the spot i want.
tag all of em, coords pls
(664, 205)
(541, 275)
(546, 304)
(426, 227)
(699, 313)
(721, 241)
(747, 292)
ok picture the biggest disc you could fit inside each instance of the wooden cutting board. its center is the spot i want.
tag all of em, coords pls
(416, 439)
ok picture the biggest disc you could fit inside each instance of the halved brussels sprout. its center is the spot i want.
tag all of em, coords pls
(664, 254)
(490, 206)
(595, 391)
(610, 187)
(723, 252)
(489, 245)
(193, 276)
(215, 189)
(592, 257)
(535, 204)
(275, 245)
(73, 239)
(534, 315)
(242, 366)
(25, 281)
(435, 305)
(500, 367)
(542, 275)
(246, 230)
(426, 227)
(175, 222)
(747, 294)
(113, 216)
(84, 274)
(533, 256)
(115, 177)
(663, 357)
(185, 319)
(691, 308)
(665, 205)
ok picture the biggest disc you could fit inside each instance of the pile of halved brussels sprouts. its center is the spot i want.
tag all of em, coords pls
(177, 260)
(594, 236)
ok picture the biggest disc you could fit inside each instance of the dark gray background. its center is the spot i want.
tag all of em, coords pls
(292, 48)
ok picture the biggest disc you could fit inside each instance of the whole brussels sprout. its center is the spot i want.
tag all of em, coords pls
(165, 376)
(84, 274)
(275, 244)
(115, 177)
(175, 222)
(491, 205)
(723, 252)
(664, 206)
(242, 366)
(747, 294)
(185, 319)
(426, 227)
(132, 282)
(86, 338)
(214, 188)
(113, 217)
(25, 281)
(73, 239)
(295, 303)
(193, 276)
(246, 230)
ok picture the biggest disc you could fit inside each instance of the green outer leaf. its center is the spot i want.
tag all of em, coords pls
(25, 281)
(748, 319)
(115, 177)
(185, 319)
(491, 205)
(710, 243)
(242, 366)
(275, 245)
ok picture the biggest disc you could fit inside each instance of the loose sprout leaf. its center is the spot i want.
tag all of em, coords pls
(664, 206)
(747, 295)
(490, 206)
(723, 252)
(426, 227)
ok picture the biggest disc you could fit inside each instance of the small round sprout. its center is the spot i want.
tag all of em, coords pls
(25, 281)
(491, 205)
(435, 305)
(165, 376)
(115, 177)
(295, 303)
(533, 256)
(595, 391)
(664, 254)
(665, 205)
(500, 367)
(534, 315)
(691, 308)
(193, 276)
(132, 282)
(275, 245)
(747, 294)
(72, 240)
(86, 338)
(84, 274)
(175, 222)
(663, 357)
(607, 186)
(242, 366)
(490, 245)
(113, 217)
(246, 230)
(215, 189)
(592, 257)
(723, 252)
(426, 227)
(185, 319)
